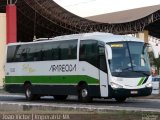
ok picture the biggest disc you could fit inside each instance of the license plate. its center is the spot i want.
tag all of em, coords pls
(134, 92)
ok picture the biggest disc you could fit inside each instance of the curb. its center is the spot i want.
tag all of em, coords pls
(61, 106)
(5, 106)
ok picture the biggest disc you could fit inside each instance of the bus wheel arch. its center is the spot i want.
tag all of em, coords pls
(26, 83)
(83, 92)
(28, 91)
(81, 83)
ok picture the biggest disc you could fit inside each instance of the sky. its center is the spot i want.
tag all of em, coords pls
(86, 8)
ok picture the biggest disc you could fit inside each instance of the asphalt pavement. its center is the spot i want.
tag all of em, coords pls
(18, 102)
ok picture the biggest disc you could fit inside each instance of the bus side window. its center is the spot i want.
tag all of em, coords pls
(17, 54)
(68, 50)
(89, 52)
(21, 54)
(82, 52)
(11, 53)
(23, 57)
(102, 59)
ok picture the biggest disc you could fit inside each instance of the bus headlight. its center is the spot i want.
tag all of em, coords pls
(115, 85)
(149, 85)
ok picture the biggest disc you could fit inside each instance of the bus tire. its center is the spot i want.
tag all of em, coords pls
(28, 92)
(120, 99)
(83, 94)
(60, 97)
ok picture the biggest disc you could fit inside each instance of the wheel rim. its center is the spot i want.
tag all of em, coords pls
(84, 93)
(28, 93)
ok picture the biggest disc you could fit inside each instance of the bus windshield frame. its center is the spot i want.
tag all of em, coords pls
(129, 59)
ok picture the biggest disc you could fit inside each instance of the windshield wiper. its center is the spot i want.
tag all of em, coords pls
(128, 67)
(142, 72)
(137, 71)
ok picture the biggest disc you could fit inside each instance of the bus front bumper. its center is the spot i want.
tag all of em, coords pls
(122, 92)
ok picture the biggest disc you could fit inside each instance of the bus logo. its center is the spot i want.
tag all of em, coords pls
(63, 68)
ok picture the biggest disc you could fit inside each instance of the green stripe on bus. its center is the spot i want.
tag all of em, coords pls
(68, 79)
(141, 81)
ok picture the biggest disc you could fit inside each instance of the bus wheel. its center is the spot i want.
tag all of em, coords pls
(60, 97)
(28, 93)
(83, 94)
(120, 99)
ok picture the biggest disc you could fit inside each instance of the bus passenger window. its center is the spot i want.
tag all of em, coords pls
(68, 49)
(89, 52)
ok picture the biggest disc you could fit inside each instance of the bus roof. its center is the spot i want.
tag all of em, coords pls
(101, 36)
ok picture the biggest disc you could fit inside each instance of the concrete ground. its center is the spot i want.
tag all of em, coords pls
(139, 108)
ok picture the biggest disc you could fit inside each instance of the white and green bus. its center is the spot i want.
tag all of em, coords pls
(89, 65)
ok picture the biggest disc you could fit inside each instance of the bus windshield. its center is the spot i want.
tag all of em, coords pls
(130, 59)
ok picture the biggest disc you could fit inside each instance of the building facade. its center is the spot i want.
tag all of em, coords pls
(2, 46)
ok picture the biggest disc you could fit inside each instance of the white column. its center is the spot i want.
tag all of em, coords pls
(2, 46)
(143, 35)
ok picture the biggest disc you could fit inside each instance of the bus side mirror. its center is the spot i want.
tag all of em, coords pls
(109, 52)
(153, 49)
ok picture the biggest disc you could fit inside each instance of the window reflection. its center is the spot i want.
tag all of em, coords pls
(129, 57)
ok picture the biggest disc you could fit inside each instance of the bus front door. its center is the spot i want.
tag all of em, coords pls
(103, 84)
(103, 77)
